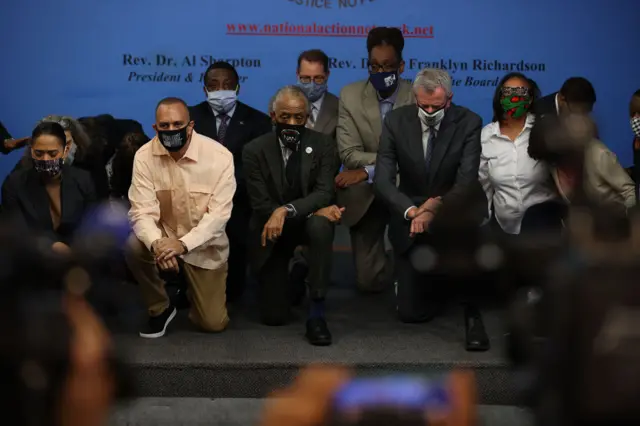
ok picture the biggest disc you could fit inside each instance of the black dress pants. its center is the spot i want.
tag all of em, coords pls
(237, 233)
(422, 290)
(316, 232)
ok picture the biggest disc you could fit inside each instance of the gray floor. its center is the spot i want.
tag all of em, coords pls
(247, 412)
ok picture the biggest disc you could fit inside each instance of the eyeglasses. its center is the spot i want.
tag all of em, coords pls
(318, 79)
(374, 68)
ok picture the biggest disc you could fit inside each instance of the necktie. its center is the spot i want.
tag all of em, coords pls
(222, 130)
(311, 121)
(431, 138)
(292, 169)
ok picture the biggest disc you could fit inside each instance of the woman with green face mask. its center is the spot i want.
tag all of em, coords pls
(511, 179)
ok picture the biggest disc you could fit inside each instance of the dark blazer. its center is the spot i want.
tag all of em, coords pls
(25, 199)
(264, 168)
(454, 165)
(246, 124)
(545, 105)
(327, 120)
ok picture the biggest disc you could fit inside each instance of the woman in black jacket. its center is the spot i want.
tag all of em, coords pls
(50, 197)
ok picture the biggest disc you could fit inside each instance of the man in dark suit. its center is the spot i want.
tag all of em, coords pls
(234, 124)
(290, 176)
(435, 148)
(576, 95)
(313, 76)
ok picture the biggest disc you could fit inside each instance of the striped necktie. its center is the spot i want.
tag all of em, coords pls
(431, 139)
(311, 121)
(222, 130)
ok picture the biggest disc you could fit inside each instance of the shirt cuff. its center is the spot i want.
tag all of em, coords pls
(407, 212)
(371, 172)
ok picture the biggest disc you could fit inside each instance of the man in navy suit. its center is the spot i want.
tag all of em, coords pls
(234, 124)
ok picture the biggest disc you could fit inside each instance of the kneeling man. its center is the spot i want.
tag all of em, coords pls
(181, 198)
(289, 176)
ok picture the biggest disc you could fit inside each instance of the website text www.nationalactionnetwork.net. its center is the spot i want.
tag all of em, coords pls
(320, 30)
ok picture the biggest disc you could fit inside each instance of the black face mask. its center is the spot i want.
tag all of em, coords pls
(290, 134)
(173, 140)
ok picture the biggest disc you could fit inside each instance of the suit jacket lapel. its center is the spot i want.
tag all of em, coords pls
(38, 199)
(273, 155)
(371, 107)
(236, 126)
(306, 160)
(442, 142)
(329, 107)
(405, 95)
(208, 124)
(416, 149)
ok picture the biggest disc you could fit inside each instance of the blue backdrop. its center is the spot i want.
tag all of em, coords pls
(87, 57)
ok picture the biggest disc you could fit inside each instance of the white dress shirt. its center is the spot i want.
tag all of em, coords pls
(511, 179)
(425, 145)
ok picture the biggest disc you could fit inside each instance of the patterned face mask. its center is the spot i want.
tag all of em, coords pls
(515, 101)
(48, 168)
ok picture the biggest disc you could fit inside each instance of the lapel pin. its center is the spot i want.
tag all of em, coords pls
(309, 150)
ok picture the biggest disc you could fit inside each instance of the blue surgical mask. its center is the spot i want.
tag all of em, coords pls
(71, 154)
(313, 90)
(222, 101)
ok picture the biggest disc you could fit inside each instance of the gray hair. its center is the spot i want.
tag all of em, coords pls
(429, 79)
(294, 92)
(78, 131)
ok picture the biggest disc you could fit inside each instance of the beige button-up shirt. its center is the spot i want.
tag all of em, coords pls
(189, 199)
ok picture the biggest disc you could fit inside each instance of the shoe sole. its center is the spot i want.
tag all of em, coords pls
(164, 329)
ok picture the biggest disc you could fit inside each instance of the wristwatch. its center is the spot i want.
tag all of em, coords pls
(291, 212)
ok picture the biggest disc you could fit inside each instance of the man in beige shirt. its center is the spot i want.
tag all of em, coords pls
(181, 198)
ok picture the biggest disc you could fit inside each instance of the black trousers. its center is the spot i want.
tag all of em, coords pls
(237, 233)
(274, 297)
(422, 291)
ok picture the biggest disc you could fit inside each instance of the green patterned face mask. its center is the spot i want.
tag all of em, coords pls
(515, 101)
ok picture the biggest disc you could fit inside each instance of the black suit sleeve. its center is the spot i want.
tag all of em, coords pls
(324, 187)
(259, 198)
(470, 160)
(386, 170)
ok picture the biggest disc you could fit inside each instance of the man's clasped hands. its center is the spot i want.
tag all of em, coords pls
(166, 252)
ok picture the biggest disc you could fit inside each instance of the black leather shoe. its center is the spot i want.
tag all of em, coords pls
(476, 339)
(318, 333)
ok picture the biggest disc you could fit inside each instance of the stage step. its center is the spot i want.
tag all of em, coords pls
(247, 412)
(249, 360)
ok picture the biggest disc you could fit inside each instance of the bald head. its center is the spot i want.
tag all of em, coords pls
(290, 105)
(172, 113)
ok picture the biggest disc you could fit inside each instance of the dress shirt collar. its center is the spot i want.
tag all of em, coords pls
(192, 151)
(318, 103)
(229, 114)
(555, 98)
(528, 124)
(391, 99)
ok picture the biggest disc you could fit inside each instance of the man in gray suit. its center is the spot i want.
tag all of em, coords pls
(313, 75)
(363, 106)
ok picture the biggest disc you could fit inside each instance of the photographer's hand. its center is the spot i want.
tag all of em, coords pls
(307, 401)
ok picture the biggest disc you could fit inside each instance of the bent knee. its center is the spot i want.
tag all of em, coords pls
(319, 228)
(213, 323)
